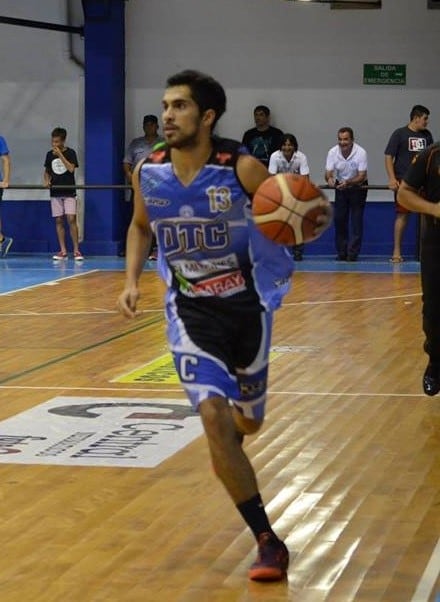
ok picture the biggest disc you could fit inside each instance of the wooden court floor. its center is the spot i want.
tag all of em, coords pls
(347, 461)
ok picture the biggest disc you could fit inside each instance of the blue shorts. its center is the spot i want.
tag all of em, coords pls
(221, 351)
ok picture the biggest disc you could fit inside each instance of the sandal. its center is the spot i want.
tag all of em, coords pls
(396, 259)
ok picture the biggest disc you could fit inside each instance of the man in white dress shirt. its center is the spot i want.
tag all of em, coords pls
(346, 171)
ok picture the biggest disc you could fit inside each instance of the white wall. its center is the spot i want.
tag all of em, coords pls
(41, 89)
(303, 60)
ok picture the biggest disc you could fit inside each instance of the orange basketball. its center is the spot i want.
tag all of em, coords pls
(286, 208)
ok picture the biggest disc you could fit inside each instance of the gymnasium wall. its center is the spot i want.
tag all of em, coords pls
(304, 60)
(41, 88)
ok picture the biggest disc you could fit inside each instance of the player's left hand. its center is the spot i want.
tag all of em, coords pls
(127, 302)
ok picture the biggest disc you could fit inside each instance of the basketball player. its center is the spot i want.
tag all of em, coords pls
(224, 281)
(424, 175)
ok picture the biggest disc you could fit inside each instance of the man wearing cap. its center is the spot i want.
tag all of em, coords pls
(138, 149)
(141, 147)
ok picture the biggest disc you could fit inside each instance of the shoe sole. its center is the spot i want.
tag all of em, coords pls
(267, 574)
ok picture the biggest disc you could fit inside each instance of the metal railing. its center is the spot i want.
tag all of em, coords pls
(128, 187)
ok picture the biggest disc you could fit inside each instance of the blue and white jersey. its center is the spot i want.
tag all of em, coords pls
(208, 244)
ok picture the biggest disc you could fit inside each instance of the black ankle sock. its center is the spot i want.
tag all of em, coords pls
(255, 515)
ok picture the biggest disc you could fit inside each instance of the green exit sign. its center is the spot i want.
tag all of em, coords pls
(384, 75)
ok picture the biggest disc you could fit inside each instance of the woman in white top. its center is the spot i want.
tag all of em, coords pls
(290, 160)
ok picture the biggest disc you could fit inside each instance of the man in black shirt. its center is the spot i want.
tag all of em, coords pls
(403, 145)
(263, 139)
(420, 192)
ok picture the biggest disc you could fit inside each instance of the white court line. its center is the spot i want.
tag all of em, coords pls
(144, 311)
(118, 389)
(429, 577)
(23, 314)
(361, 300)
(46, 283)
(172, 390)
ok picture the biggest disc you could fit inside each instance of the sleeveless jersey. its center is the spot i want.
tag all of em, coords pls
(208, 244)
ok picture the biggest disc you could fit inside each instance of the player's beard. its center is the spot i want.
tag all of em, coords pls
(185, 140)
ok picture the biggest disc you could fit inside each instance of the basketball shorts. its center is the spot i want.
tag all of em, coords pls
(219, 352)
(63, 205)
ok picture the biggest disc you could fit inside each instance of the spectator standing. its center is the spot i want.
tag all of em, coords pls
(5, 173)
(346, 171)
(263, 139)
(138, 149)
(59, 170)
(403, 145)
(288, 159)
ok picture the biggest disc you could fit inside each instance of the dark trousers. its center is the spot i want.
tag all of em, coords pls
(430, 274)
(349, 221)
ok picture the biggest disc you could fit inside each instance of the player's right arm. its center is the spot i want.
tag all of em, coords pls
(139, 238)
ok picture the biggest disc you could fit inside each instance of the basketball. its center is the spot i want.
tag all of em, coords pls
(286, 207)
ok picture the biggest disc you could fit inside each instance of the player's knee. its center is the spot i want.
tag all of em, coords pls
(247, 426)
(216, 415)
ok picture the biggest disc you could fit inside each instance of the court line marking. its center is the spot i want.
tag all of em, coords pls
(143, 311)
(360, 300)
(139, 326)
(164, 389)
(96, 311)
(429, 577)
(46, 283)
